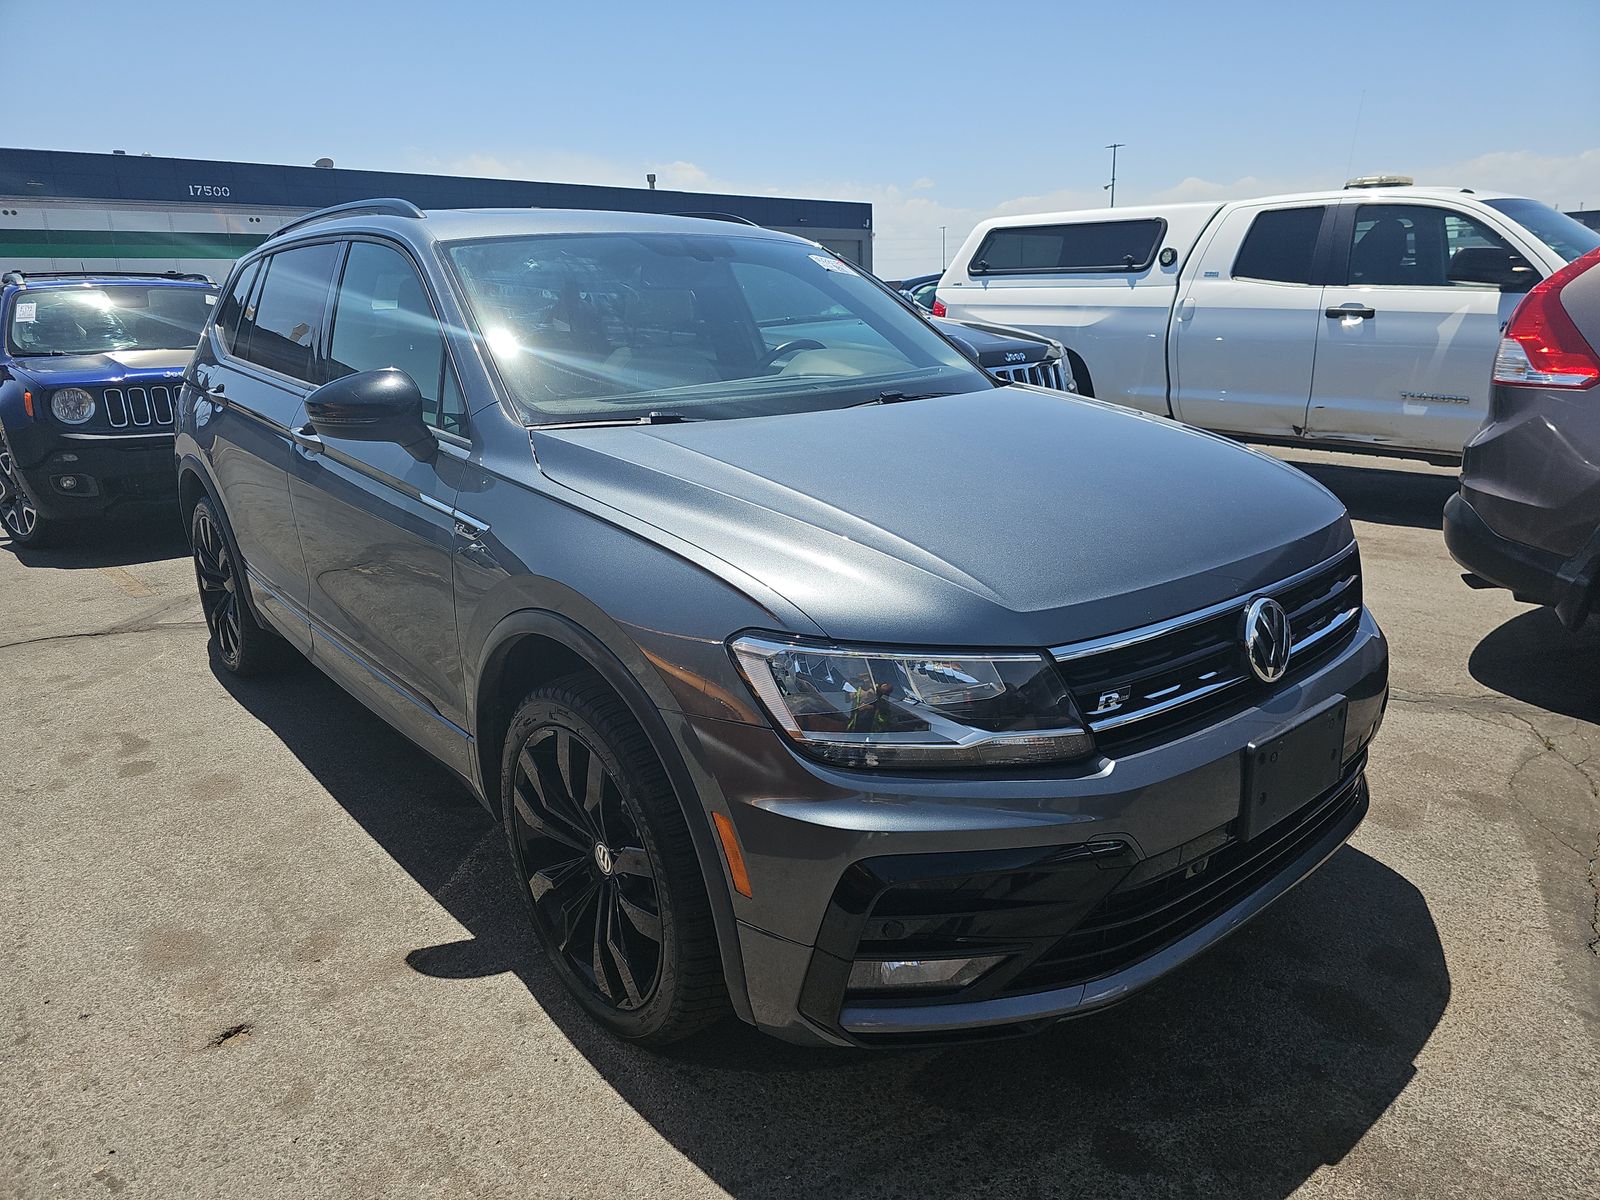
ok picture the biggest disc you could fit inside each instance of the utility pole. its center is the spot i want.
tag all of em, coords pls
(1112, 186)
(943, 261)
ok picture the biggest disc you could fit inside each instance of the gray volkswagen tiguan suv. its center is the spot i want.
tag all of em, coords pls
(815, 676)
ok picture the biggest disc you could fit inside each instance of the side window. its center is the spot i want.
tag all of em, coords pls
(233, 307)
(1090, 246)
(1411, 245)
(1281, 245)
(282, 335)
(383, 319)
(926, 294)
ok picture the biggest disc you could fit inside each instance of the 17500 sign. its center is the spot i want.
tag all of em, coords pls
(208, 189)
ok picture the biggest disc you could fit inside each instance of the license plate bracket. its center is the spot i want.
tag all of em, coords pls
(1284, 773)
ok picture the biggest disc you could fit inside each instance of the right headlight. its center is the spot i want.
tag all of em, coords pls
(859, 707)
(72, 406)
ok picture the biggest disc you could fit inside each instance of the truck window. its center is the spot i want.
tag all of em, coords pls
(1092, 246)
(1280, 246)
(1410, 245)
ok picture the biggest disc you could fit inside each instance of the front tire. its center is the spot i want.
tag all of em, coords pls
(241, 644)
(18, 514)
(605, 861)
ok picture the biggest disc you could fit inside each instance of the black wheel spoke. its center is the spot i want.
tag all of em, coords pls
(646, 922)
(553, 794)
(604, 913)
(631, 860)
(618, 955)
(550, 827)
(593, 790)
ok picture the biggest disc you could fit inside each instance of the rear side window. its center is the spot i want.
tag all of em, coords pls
(384, 318)
(1281, 245)
(1091, 246)
(1411, 245)
(234, 305)
(282, 333)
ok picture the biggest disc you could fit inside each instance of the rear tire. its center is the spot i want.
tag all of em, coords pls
(605, 860)
(238, 642)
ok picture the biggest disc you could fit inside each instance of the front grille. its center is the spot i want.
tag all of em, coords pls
(1046, 374)
(1147, 912)
(1145, 683)
(138, 407)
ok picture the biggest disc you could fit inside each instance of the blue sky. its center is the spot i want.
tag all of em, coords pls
(938, 113)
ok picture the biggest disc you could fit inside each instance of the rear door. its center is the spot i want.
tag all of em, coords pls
(1404, 354)
(1244, 335)
(271, 328)
(378, 525)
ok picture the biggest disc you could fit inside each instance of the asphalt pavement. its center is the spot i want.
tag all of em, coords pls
(257, 945)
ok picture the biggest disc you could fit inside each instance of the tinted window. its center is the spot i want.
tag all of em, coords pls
(1094, 246)
(1569, 238)
(233, 306)
(282, 334)
(1281, 245)
(1410, 245)
(383, 318)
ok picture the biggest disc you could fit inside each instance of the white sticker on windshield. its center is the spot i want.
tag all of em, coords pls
(28, 312)
(828, 263)
(210, 299)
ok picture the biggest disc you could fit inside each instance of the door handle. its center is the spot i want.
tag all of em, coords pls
(213, 394)
(307, 439)
(1350, 312)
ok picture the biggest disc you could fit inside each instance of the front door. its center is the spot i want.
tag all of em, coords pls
(1404, 355)
(377, 524)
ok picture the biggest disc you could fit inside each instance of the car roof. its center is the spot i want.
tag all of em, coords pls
(463, 224)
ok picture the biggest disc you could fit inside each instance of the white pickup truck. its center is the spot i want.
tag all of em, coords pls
(1365, 318)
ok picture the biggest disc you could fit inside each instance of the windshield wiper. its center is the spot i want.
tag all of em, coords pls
(899, 398)
(650, 418)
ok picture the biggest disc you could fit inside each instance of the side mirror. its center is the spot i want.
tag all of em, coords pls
(373, 406)
(1504, 269)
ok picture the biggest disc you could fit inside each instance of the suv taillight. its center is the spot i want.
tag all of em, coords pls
(1541, 346)
(938, 307)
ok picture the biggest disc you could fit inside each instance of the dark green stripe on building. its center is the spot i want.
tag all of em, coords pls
(122, 243)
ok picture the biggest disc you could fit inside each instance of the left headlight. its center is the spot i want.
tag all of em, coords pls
(72, 405)
(858, 707)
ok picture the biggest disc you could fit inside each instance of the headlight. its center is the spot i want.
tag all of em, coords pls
(895, 708)
(72, 405)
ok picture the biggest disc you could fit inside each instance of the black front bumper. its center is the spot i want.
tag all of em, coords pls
(1532, 575)
(106, 471)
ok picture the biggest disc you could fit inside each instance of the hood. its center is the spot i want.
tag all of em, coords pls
(116, 366)
(997, 518)
(994, 345)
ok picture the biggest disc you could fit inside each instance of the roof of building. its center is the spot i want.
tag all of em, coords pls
(127, 177)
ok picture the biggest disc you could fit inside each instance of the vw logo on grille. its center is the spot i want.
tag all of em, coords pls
(1266, 638)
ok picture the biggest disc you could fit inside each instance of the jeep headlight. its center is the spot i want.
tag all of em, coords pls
(859, 707)
(73, 406)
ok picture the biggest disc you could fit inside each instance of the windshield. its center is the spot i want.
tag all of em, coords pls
(1568, 238)
(93, 320)
(602, 327)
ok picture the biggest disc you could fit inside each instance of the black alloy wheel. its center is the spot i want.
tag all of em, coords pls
(606, 861)
(590, 877)
(243, 646)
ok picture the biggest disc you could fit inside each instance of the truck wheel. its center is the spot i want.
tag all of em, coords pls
(23, 524)
(605, 861)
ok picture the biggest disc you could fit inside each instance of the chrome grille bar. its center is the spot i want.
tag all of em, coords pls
(116, 408)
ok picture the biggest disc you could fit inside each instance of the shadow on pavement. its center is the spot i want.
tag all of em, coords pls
(155, 536)
(1240, 1075)
(1533, 658)
(1385, 495)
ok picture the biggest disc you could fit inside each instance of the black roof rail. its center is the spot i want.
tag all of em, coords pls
(21, 278)
(383, 206)
(719, 216)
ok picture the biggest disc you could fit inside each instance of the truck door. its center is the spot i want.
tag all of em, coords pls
(1403, 353)
(1244, 335)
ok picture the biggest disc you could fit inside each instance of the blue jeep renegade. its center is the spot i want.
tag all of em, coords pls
(89, 371)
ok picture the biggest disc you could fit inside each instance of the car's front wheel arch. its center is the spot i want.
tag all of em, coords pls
(530, 648)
